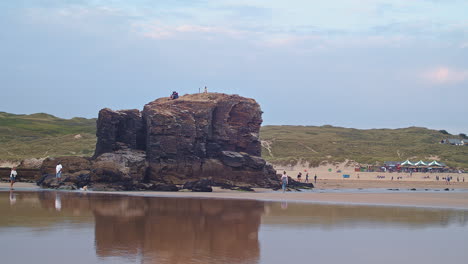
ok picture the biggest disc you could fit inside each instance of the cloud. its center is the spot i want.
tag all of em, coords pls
(159, 30)
(445, 75)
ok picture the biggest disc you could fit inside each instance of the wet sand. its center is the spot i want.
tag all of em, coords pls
(401, 184)
(333, 191)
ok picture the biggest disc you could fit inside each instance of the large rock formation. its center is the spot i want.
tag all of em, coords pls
(194, 142)
(197, 136)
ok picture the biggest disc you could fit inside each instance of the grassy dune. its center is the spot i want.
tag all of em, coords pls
(289, 144)
(41, 135)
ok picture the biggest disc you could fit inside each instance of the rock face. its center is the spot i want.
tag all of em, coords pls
(118, 129)
(71, 164)
(197, 136)
(200, 140)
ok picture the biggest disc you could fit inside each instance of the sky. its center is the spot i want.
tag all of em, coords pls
(350, 63)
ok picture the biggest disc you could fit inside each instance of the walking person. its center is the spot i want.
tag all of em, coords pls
(315, 178)
(13, 175)
(58, 171)
(299, 176)
(307, 177)
(284, 181)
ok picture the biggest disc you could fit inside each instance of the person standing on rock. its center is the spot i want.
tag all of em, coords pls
(284, 181)
(58, 171)
(13, 175)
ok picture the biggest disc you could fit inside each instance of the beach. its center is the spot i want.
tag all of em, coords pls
(336, 172)
(336, 191)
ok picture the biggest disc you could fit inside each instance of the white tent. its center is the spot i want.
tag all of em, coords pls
(435, 163)
(406, 163)
(420, 163)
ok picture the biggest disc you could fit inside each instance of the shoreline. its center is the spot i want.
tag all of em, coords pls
(376, 196)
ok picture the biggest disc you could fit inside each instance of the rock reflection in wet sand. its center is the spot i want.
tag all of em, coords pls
(183, 230)
(166, 230)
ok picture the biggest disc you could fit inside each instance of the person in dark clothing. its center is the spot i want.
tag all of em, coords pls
(174, 95)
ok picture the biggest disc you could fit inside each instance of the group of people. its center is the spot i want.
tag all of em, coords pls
(299, 177)
(450, 178)
(14, 174)
(175, 94)
(284, 179)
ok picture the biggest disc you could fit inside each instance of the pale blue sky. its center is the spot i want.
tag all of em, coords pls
(352, 63)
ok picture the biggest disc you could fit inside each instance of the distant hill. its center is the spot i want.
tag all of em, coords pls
(289, 144)
(41, 135)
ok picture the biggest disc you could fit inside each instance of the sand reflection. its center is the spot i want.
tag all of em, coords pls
(341, 216)
(167, 230)
(183, 230)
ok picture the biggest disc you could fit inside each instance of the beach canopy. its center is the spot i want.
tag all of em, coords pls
(435, 163)
(406, 163)
(420, 163)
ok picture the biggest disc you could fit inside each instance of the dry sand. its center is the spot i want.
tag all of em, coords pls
(457, 198)
(323, 172)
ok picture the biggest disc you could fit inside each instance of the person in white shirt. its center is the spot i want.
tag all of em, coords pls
(13, 175)
(284, 181)
(58, 171)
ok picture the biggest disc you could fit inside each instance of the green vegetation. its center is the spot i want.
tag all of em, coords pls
(42, 135)
(291, 144)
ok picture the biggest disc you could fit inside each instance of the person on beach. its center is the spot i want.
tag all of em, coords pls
(299, 176)
(58, 171)
(284, 181)
(315, 178)
(307, 177)
(13, 175)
